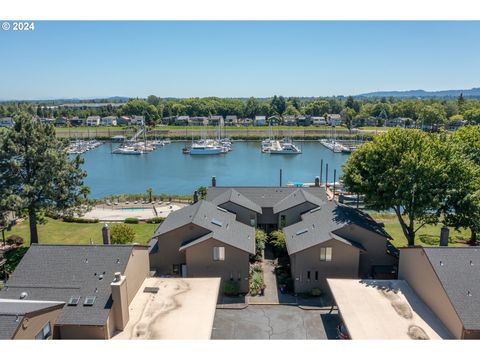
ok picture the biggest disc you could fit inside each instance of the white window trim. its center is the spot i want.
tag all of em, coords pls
(218, 253)
(326, 254)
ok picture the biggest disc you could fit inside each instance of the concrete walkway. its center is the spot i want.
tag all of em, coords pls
(270, 296)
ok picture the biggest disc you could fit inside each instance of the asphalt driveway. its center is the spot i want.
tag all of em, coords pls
(274, 322)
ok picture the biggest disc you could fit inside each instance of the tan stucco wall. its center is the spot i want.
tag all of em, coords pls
(200, 263)
(111, 324)
(168, 248)
(415, 268)
(242, 214)
(137, 270)
(32, 325)
(292, 215)
(374, 244)
(344, 264)
(74, 332)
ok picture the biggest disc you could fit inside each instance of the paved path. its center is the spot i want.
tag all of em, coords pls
(270, 296)
(274, 322)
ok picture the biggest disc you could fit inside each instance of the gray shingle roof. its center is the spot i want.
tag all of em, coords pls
(220, 224)
(265, 197)
(235, 197)
(296, 198)
(57, 272)
(9, 325)
(458, 269)
(319, 225)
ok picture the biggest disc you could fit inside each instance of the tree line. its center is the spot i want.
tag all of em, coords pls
(434, 111)
(426, 178)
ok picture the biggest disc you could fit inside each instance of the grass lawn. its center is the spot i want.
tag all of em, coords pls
(59, 232)
(428, 235)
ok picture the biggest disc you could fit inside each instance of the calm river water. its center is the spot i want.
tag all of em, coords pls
(168, 170)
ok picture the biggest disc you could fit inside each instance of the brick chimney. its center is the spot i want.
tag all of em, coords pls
(120, 301)
(106, 234)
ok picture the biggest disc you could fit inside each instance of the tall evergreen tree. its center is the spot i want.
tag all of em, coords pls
(36, 173)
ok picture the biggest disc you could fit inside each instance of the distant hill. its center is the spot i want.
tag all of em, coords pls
(468, 93)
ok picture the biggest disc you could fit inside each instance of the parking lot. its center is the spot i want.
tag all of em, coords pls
(274, 322)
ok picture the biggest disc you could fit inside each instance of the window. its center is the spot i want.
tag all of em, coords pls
(316, 275)
(176, 269)
(45, 333)
(283, 220)
(218, 253)
(308, 275)
(326, 254)
(252, 220)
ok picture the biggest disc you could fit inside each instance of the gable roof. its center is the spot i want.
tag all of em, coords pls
(235, 197)
(12, 313)
(58, 272)
(458, 270)
(319, 225)
(219, 223)
(296, 198)
(264, 196)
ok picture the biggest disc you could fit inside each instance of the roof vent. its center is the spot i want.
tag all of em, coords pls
(471, 263)
(469, 293)
(117, 261)
(300, 232)
(216, 222)
(85, 261)
(23, 295)
(441, 263)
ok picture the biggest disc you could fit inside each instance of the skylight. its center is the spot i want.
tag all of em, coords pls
(216, 222)
(73, 301)
(315, 210)
(89, 300)
(221, 209)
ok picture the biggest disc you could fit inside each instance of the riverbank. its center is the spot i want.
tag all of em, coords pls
(234, 133)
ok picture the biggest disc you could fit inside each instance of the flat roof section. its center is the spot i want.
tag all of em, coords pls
(384, 310)
(183, 308)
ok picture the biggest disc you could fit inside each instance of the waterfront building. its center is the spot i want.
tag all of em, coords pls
(304, 121)
(93, 120)
(231, 120)
(216, 120)
(260, 121)
(318, 120)
(182, 120)
(138, 120)
(109, 121)
(289, 120)
(334, 119)
(123, 120)
(198, 121)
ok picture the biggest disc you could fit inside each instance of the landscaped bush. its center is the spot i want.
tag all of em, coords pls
(122, 234)
(277, 239)
(131, 221)
(155, 220)
(316, 292)
(231, 288)
(15, 239)
(260, 240)
(71, 219)
(257, 283)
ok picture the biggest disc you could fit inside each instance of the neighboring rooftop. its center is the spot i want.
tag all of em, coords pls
(458, 270)
(265, 197)
(235, 197)
(66, 272)
(318, 225)
(384, 310)
(12, 313)
(219, 224)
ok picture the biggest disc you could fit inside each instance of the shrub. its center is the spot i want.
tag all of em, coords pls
(131, 221)
(155, 220)
(15, 239)
(316, 292)
(277, 239)
(121, 234)
(256, 268)
(231, 288)
(71, 219)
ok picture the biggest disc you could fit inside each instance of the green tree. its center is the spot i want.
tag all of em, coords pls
(122, 234)
(461, 102)
(202, 192)
(85, 191)
(277, 239)
(431, 115)
(150, 192)
(36, 171)
(472, 116)
(403, 170)
(465, 203)
(260, 241)
(251, 108)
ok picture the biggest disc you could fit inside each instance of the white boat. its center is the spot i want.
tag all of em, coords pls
(285, 147)
(206, 147)
(335, 146)
(128, 150)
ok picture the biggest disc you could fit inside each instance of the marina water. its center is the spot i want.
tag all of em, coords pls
(167, 170)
